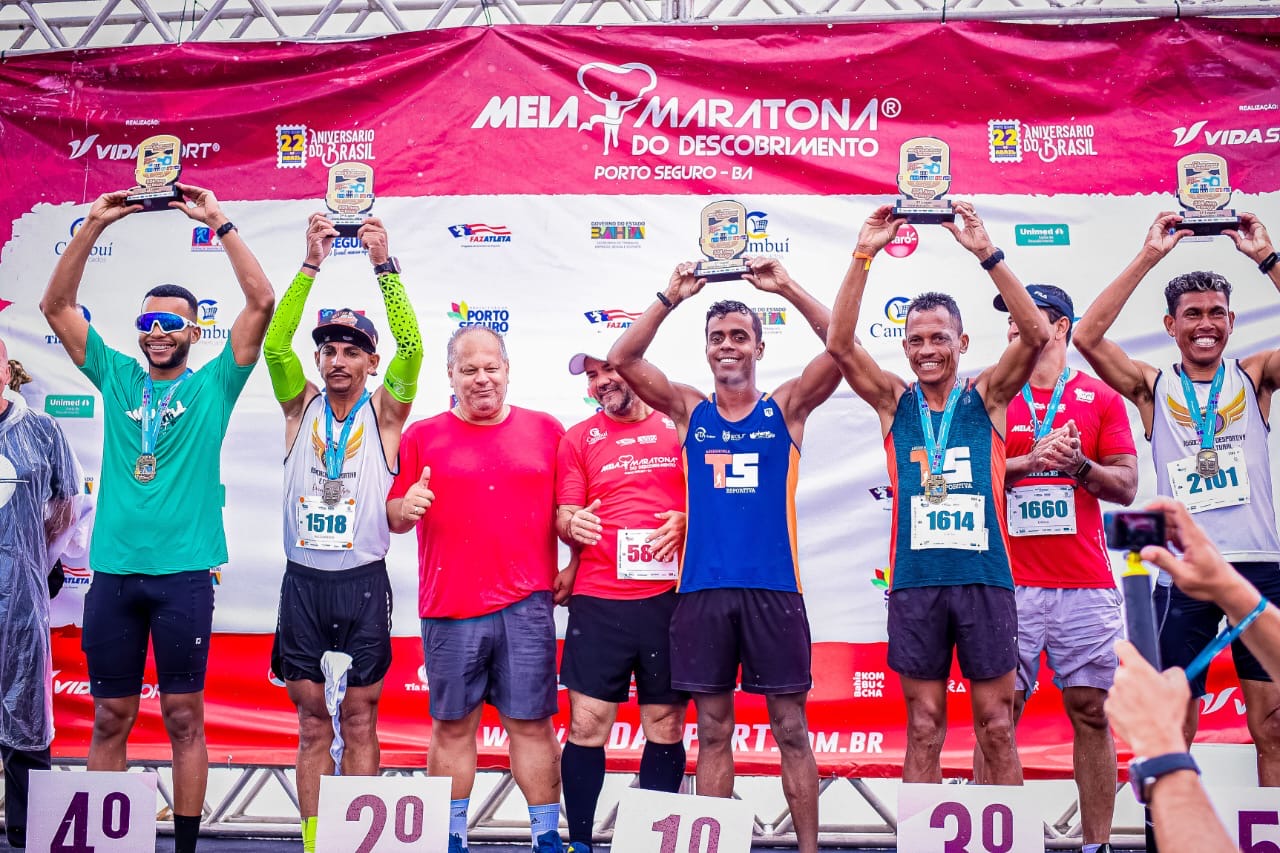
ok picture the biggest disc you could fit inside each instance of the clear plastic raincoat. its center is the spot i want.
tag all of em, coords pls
(39, 509)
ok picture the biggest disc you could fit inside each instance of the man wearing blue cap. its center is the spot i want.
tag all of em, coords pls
(1068, 445)
(342, 445)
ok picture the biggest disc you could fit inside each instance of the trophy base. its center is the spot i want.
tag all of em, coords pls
(729, 270)
(347, 226)
(1209, 225)
(924, 212)
(158, 200)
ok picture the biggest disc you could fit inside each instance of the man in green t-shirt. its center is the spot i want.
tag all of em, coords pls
(161, 473)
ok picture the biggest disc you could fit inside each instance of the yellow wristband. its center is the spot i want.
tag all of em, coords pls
(863, 256)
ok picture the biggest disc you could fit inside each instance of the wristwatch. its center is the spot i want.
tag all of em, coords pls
(1143, 772)
(389, 265)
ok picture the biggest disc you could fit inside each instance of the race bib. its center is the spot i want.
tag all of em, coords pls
(1229, 487)
(958, 522)
(636, 561)
(326, 528)
(1042, 511)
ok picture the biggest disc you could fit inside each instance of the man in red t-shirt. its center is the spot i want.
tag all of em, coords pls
(620, 495)
(478, 483)
(1075, 449)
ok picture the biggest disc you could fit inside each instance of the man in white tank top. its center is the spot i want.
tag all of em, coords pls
(341, 444)
(1206, 418)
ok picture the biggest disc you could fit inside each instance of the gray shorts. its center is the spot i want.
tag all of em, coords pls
(507, 658)
(1077, 628)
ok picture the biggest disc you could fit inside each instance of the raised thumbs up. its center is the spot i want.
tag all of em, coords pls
(418, 498)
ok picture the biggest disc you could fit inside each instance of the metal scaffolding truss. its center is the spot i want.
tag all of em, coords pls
(38, 25)
(259, 801)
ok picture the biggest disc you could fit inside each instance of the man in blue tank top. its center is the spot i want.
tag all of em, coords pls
(1206, 419)
(740, 601)
(944, 442)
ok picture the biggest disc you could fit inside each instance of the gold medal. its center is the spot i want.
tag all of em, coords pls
(935, 488)
(144, 470)
(1207, 463)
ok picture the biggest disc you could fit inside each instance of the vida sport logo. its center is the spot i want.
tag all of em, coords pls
(629, 97)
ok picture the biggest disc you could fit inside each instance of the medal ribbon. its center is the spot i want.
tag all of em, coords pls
(937, 448)
(336, 454)
(1038, 429)
(1205, 424)
(153, 418)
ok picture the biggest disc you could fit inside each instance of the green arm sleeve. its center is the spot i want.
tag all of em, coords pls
(283, 365)
(402, 373)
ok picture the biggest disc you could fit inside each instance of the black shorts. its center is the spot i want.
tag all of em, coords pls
(980, 622)
(608, 639)
(122, 611)
(766, 631)
(1187, 625)
(343, 611)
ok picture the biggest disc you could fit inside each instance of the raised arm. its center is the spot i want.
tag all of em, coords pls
(867, 379)
(1253, 241)
(59, 304)
(801, 395)
(290, 385)
(999, 383)
(394, 398)
(1132, 378)
(250, 326)
(627, 354)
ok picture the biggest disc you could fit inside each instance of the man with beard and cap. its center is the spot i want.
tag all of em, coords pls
(620, 502)
(1206, 417)
(341, 455)
(952, 588)
(159, 527)
(39, 481)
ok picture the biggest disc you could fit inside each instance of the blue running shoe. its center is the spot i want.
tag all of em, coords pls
(548, 842)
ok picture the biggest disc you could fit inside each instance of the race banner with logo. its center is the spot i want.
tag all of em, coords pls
(543, 182)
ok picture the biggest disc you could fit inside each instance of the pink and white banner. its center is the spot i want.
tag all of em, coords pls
(544, 181)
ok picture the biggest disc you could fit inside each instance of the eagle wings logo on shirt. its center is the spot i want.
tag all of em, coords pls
(353, 444)
(1227, 415)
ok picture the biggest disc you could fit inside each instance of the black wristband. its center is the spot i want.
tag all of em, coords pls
(1268, 262)
(310, 266)
(662, 297)
(1083, 471)
(226, 228)
(994, 258)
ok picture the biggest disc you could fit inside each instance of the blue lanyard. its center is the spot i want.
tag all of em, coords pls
(336, 454)
(937, 449)
(153, 418)
(1220, 642)
(1038, 429)
(1204, 424)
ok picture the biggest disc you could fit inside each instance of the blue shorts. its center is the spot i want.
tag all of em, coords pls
(507, 658)
(1188, 624)
(122, 611)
